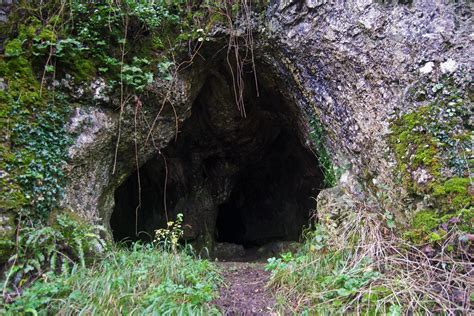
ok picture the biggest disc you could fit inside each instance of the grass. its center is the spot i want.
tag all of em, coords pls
(362, 267)
(137, 281)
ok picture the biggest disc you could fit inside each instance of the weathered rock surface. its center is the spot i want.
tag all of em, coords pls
(351, 64)
(355, 63)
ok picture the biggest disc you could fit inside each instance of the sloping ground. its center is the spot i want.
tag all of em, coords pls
(244, 291)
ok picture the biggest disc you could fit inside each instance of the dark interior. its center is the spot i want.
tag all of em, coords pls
(271, 199)
(244, 180)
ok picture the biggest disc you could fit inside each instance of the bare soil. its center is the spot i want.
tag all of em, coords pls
(244, 292)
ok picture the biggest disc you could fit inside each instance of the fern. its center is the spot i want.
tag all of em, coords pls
(66, 241)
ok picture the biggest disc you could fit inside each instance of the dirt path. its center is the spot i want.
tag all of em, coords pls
(244, 291)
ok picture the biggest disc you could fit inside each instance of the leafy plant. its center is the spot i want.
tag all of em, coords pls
(53, 248)
(327, 278)
(389, 219)
(164, 69)
(138, 280)
(135, 77)
(169, 237)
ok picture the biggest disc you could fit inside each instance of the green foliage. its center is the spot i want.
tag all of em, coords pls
(135, 77)
(164, 68)
(319, 276)
(32, 124)
(331, 175)
(120, 40)
(13, 48)
(52, 248)
(389, 219)
(142, 280)
(40, 156)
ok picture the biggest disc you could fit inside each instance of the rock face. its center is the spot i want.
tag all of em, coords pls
(356, 62)
(351, 64)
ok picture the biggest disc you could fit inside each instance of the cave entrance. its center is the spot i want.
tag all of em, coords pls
(271, 197)
(237, 180)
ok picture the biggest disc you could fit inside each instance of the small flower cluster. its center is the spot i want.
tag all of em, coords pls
(169, 236)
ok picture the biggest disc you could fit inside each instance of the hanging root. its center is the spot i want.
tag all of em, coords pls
(238, 44)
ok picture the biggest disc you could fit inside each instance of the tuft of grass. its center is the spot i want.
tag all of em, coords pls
(128, 281)
(367, 269)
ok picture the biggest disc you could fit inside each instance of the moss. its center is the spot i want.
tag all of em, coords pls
(434, 138)
(454, 194)
(425, 220)
(18, 72)
(13, 48)
(22, 88)
(47, 34)
(83, 70)
(414, 148)
(428, 226)
(423, 225)
(436, 236)
(7, 233)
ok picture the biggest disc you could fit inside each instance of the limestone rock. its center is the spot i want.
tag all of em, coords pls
(334, 206)
(350, 64)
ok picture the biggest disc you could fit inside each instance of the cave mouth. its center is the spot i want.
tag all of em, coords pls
(237, 180)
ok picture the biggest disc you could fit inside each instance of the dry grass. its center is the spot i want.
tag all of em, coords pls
(408, 279)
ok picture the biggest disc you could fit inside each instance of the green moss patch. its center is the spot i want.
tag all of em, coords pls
(454, 194)
(431, 144)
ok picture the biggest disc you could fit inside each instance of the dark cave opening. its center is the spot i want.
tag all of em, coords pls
(271, 198)
(240, 180)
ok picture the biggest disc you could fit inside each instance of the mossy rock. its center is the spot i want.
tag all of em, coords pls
(7, 234)
(84, 70)
(431, 226)
(454, 194)
(430, 145)
(431, 140)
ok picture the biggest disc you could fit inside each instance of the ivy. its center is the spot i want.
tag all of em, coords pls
(40, 145)
(325, 162)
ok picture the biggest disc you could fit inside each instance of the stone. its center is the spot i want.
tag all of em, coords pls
(334, 206)
(99, 90)
(421, 176)
(314, 3)
(427, 68)
(223, 250)
(449, 66)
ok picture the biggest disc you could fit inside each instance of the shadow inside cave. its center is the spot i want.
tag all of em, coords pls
(237, 180)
